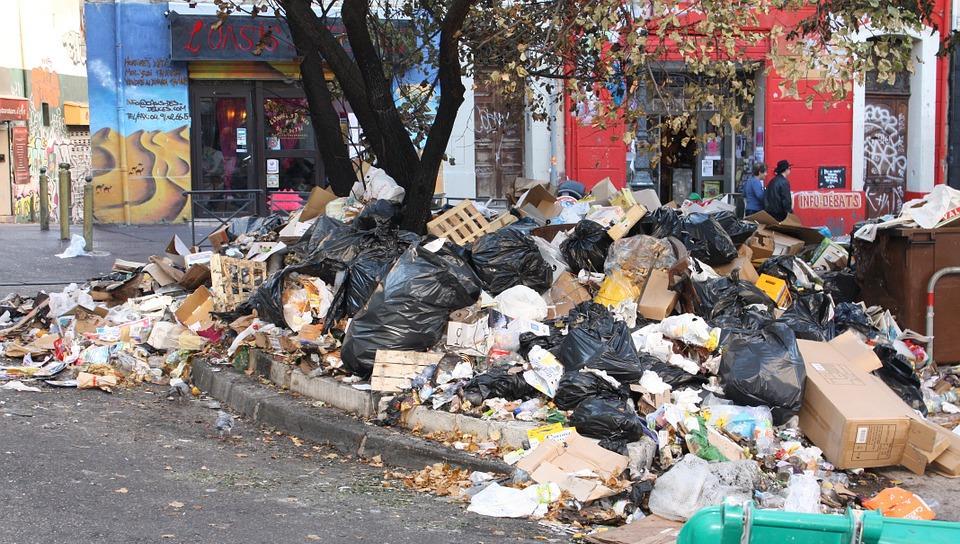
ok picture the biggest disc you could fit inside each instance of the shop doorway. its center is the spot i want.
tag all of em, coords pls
(253, 135)
(498, 138)
(885, 114)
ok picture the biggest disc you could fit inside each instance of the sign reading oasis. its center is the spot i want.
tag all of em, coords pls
(237, 37)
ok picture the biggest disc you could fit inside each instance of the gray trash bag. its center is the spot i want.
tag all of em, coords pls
(765, 369)
(410, 308)
(693, 483)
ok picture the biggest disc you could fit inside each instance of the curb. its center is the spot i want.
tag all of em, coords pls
(330, 427)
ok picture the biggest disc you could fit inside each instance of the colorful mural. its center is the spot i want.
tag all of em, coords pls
(139, 118)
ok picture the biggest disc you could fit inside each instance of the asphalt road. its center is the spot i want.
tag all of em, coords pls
(87, 466)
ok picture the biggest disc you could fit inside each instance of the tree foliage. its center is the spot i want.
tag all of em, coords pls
(640, 64)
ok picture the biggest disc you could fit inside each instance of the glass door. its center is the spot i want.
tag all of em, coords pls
(291, 166)
(223, 157)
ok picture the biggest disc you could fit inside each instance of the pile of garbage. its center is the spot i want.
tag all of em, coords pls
(669, 357)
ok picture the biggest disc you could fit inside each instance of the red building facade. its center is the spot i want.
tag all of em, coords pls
(857, 158)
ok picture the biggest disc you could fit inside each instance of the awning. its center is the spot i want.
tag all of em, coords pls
(76, 113)
(14, 108)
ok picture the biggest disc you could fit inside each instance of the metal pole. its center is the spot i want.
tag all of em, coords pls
(931, 285)
(44, 200)
(88, 214)
(64, 198)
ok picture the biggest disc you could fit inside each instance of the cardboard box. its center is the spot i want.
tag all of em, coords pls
(196, 276)
(830, 256)
(761, 245)
(784, 244)
(522, 185)
(194, 311)
(657, 300)
(556, 462)
(650, 529)
(948, 463)
(847, 412)
(634, 214)
(219, 238)
(317, 203)
(563, 295)
(603, 191)
(743, 264)
(790, 226)
(538, 204)
(162, 271)
(776, 289)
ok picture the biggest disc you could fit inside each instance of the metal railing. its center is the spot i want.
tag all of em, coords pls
(222, 206)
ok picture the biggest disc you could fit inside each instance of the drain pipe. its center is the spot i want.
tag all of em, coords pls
(931, 285)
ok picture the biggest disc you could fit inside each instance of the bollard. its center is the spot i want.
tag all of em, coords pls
(88, 214)
(64, 199)
(44, 200)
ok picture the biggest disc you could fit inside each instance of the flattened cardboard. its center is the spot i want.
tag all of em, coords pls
(219, 238)
(650, 529)
(847, 412)
(165, 335)
(784, 244)
(162, 271)
(791, 226)
(555, 462)
(317, 203)
(634, 214)
(177, 250)
(194, 311)
(657, 300)
(196, 276)
(538, 204)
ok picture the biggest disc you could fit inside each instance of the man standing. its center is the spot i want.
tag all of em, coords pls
(777, 199)
(753, 189)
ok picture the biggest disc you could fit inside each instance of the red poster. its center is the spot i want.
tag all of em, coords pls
(21, 155)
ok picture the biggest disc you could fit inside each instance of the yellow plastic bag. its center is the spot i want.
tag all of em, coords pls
(616, 288)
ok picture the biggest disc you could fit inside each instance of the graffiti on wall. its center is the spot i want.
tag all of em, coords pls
(151, 132)
(884, 154)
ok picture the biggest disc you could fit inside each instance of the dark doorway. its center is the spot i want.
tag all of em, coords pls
(885, 144)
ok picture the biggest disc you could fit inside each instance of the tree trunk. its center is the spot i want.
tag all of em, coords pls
(324, 117)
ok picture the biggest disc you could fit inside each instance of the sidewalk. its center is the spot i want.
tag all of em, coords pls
(30, 264)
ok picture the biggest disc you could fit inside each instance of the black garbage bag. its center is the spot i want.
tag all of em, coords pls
(851, 316)
(765, 369)
(550, 342)
(738, 230)
(498, 382)
(842, 285)
(510, 257)
(410, 308)
(810, 317)
(358, 280)
(577, 386)
(705, 239)
(257, 225)
(899, 375)
(724, 296)
(586, 248)
(794, 270)
(378, 214)
(592, 328)
(625, 368)
(665, 222)
(607, 419)
(677, 377)
(322, 228)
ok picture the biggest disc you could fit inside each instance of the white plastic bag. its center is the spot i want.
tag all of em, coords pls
(70, 297)
(522, 302)
(506, 502)
(545, 373)
(691, 329)
(803, 494)
(377, 185)
(75, 249)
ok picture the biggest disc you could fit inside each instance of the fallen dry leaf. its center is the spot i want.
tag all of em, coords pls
(331, 456)
(175, 504)
(296, 441)
(122, 490)
(376, 461)
(313, 537)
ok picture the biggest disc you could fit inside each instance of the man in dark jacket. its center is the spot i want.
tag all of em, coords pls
(777, 198)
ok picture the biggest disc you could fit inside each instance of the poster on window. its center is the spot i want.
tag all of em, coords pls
(706, 168)
(712, 149)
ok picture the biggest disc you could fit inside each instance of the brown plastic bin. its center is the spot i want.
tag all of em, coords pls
(894, 270)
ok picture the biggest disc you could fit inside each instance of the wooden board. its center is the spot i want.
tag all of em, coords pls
(461, 224)
(234, 280)
(392, 370)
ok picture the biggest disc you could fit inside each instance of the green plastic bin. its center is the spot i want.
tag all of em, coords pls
(744, 524)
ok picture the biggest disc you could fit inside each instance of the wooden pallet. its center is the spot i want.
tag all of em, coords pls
(461, 224)
(501, 221)
(234, 280)
(392, 370)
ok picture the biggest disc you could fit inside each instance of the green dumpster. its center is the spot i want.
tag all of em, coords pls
(744, 524)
